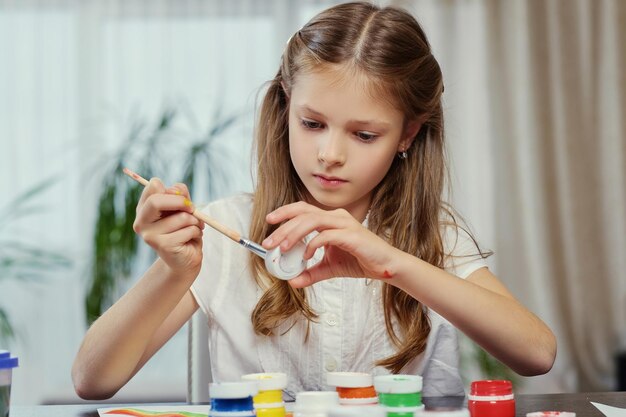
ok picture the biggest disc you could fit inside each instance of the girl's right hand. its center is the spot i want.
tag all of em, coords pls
(164, 221)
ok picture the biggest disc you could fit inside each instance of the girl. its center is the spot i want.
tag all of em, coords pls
(350, 158)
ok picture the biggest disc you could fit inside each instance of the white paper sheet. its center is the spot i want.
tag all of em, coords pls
(154, 411)
(610, 411)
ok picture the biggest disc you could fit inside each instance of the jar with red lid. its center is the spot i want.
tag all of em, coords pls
(491, 398)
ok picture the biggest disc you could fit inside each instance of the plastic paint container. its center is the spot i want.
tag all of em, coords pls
(232, 399)
(455, 412)
(357, 411)
(7, 363)
(315, 403)
(269, 401)
(551, 414)
(400, 395)
(354, 388)
(491, 398)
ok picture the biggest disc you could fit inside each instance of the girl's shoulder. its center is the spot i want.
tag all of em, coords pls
(231, 210)
(240, 201)
(462, 252)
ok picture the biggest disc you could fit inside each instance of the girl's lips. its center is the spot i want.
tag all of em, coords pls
(329, 182)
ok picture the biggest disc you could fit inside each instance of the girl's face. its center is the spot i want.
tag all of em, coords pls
(342, 141)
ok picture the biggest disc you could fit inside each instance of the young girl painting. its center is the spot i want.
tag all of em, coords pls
(350, 154)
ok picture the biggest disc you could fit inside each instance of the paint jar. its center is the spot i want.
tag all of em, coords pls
(357, 411)
(354, 388)
(269, 401)
(315, 403)
(551, 414)
(400, 395)
(491, 398)
(232, 399)
(7, 363)
(444, 412)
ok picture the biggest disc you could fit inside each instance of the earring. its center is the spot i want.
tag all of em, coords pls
(402, 155)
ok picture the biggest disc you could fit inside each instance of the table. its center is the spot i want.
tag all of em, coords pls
(578, 403)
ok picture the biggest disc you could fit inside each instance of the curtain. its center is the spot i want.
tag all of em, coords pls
(76, 77)
(536, 101)
(559, 131)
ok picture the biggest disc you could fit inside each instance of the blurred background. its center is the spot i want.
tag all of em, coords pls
(535, 103)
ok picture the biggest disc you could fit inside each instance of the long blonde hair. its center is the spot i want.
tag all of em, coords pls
(389, 46)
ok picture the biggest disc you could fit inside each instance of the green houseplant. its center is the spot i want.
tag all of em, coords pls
(162, 149)
(20, 259)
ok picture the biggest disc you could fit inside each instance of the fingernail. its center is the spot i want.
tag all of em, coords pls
(177, 192)
(188, 202)
(268, 241)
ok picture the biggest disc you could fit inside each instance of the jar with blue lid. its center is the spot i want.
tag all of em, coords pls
(7, 363)
(232, 399)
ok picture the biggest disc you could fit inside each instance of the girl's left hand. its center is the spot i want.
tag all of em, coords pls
(351, 250)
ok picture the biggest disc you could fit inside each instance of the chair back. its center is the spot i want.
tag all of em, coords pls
(198, 360)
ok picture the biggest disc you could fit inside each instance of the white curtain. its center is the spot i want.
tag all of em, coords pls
(535, 120)
(536, 109)
(75, 77)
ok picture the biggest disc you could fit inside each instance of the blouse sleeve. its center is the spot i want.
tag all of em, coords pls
(462, 253)
(220, 254)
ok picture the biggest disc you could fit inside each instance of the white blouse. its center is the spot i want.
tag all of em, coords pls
(350, 334)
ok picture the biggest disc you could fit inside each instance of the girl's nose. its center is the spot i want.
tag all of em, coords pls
(331, 150)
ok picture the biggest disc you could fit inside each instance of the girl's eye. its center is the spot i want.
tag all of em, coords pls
(309, 124)
(366, 137)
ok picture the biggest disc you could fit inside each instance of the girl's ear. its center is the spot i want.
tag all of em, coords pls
(408, 136)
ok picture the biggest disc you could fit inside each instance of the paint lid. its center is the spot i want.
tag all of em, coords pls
(349, 379)
(229, 390)
(398, 384)
(268, 381)
(443, 412)
(491, 387)
(551, 414)
(8, 362)
(357, 411)
(315, 401)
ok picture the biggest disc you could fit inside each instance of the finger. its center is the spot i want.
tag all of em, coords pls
(342, 239)
(154, 186)
(289, 211)
(176, 221)
(180, 189)
(317, 273)
(183, 236)
(294, 230)
(157, 205)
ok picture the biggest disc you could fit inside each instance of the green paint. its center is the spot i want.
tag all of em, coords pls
(400, 400)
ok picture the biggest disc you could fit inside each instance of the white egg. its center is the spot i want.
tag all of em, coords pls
(286, 265)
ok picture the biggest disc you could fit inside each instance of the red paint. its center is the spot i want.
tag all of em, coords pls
(491, 399)
(387, 274)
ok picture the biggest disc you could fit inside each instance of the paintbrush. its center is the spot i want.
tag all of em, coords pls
(231, 234)
(282, 265)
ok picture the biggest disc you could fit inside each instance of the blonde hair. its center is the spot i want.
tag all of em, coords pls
(390, 48)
